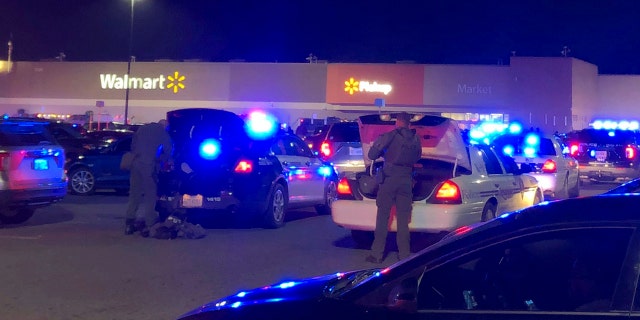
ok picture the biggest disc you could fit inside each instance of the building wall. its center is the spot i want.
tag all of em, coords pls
(618, 97)
(584, 93)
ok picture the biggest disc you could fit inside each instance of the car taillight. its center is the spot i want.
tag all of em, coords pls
(244, 166)
(325, 149)
(549, 166)
(573, 149)
(630, 152)
(343, 186)
(449, 192)
(4, 161)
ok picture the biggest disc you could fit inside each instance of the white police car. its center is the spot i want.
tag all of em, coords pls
(243, 166)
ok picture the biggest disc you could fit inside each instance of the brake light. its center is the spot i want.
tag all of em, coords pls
(630, 152)
(343, 186)
(4, 162)
(449, 192)
(325, 149)
(549, 166)
(573, 149)
(244, 166)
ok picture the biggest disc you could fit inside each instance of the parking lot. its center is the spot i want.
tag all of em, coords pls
(72, 260)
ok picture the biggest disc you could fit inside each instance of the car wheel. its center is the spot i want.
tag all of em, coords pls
(82, 182)
(489, 211)
(274, 216)
(575, 191)
(363, 239)
(16, 216)
(330, 195)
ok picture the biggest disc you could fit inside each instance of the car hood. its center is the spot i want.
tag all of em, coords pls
(440, 137)
(288, 291)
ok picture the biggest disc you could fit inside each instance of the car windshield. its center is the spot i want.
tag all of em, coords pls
(518, 144)
(24, 134)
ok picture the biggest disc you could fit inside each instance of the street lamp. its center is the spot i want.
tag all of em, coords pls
(130, 57)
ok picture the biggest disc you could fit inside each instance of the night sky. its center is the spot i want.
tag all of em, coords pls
(603, 32)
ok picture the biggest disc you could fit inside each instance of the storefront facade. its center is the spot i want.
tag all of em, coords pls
(556, 94)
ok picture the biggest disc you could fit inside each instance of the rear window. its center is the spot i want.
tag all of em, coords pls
(603, 137)
(345, 132)
(24, 134)
(545, 148)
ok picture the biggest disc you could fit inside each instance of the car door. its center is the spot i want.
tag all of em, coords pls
(109, 162)
(301, 169)
(568, 273)
(505, 185)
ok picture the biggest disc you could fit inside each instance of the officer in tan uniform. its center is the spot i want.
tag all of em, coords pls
(401, 149)
(151, 146)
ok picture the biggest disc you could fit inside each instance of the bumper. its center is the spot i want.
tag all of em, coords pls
(32, 198)
(425, 217)
(548, 182)
(223, 202)
(607, 174)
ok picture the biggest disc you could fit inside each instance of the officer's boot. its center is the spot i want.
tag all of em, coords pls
(130, 226)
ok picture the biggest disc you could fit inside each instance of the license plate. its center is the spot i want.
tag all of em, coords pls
(40, 164)
(601, 156)
(189, 201)
(355, 151)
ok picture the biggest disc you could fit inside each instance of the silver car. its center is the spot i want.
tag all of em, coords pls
(340, 145)
(31, 169)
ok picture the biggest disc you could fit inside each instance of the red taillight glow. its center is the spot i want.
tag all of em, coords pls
(449, 191)
(549, 166)
(343, 186)
(3, 161)
(630, 152)
(325, 149)
(573, 149)
(244, 166)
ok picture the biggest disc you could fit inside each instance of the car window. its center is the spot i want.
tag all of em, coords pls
(518, 144)
(572, 270)
(344, 132)
(509, 163)
(491, 161)
(123, 146)
(24, 134)
(296, 147)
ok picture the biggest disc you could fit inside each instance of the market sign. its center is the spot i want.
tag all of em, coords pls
(161, 82)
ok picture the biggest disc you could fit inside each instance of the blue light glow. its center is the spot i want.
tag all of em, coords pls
(508, 150)
(515, 128)
(532, 139)
(286, 285)
(260, 125)
(592, 153)
(241, 294)
(529, 152)
(612, 134)
(209, 149)
(236, 304)
(325, 171)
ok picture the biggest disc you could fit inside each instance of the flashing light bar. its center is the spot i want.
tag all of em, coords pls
(613, 125)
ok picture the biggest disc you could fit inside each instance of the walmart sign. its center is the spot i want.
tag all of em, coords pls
(174, 82)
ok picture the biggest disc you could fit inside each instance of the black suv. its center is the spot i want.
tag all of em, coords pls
(605, 156)
(340, 145)
(224, 162)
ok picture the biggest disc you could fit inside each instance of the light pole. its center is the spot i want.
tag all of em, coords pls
(126, 95)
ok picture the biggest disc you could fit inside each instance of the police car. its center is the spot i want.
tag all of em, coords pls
(557, 173)
(455, 183)
(241, 165)
(608, 152)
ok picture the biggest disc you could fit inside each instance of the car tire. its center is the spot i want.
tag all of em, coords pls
(82, 182)
(489, 211)
(363, 239)
(276, 208)
(575, 191)
(16, 216)
(330, 195)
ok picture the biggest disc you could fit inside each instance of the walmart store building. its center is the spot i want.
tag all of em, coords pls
(555, 94)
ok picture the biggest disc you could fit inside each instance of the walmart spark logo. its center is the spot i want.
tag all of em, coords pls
(351, 86)
(176, 82)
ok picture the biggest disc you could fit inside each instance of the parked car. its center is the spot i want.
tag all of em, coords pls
(108, 136)
(455, 184)
(99, 168)
(557, 173)
(605, 155)
(561, 260)
(242, 166)
(632, 186)
(31, 169)
(340, 145)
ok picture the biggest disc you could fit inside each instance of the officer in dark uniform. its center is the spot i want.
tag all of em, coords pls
(401, 149)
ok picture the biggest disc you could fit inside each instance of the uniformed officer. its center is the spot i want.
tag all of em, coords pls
(401, 149)
(151, 145)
